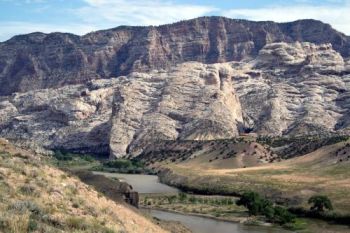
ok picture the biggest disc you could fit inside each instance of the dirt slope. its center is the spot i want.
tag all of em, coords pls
(35, 197)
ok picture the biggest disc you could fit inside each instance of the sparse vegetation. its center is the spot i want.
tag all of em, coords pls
(257, 205)
(124, 166)
(300, 145)
(289, 183)
(37, 197)
(320, 203)
(215, 206)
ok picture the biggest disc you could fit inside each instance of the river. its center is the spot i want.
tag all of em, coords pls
(141, 183)
(151, 184)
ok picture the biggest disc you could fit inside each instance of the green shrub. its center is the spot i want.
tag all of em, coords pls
(257, 205)
(32, 225)
(182, 197)
(66, 156)
(119, 163)
(192, 200)
(252, 201)
(282, 215)
(28, 190)
(320, 203)
(296, 225)
(171, 199)
(63, 156)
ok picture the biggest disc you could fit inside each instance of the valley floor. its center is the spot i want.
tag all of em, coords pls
(290, 182)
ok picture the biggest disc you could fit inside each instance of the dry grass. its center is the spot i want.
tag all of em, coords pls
(295, 179)
(35, 197)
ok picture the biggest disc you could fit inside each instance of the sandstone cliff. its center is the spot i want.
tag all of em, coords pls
(191, 101)
(288, 89)
(37, 60)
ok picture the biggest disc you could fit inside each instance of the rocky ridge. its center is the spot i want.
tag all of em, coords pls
(288, 89)
(38, 60)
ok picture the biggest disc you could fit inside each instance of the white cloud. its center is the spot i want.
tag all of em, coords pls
(133, 12)
(338, 16)
(9, 29)
(103, 14)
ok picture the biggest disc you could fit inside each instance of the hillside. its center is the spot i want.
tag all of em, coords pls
(224, 154)
(292, 182)
(35, 197)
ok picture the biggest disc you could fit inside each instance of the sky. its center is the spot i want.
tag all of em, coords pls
(84, 16)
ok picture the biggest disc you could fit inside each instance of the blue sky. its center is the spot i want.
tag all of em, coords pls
(83, 16)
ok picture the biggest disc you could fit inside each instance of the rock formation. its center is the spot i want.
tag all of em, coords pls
(38, 60)
(191, 101)
(288, 89)
(297, 88)
(58, 91)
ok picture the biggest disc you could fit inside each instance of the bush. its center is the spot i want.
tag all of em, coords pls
(257, 205)
(297, 225)
(32, 225)
(63, 156)
(171, 199)
(193, 200)
(125, 166)
(320, 203)
(21, 207)
(76, 223)
(182, 197)
(282, 215)
(252, 201)
(14, 223)
(119, 163)
(28, 190)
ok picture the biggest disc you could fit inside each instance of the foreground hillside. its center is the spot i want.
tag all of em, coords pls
(35, 197)
(292, 182)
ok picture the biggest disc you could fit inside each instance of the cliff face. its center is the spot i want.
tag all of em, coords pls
(191, 101)
(37, 60)
(121, 115)
(288, 89)
(115, 91)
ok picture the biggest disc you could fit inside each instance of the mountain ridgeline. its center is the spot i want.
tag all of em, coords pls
(115, 91)
(38, 60)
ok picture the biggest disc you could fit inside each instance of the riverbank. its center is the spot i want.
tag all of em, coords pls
(235, 181)
(199, 224)
(221, 204)
(289, 183)
(221, 208)
(218, 207)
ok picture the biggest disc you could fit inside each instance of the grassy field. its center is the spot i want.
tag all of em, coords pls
(213, 206)
(324, 171)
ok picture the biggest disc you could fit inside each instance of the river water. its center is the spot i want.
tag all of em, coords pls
(141, 183)
(151, 184)
(206, 225)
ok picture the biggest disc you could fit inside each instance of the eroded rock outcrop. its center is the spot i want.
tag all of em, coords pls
(288, 89)
(297, 88)
(192, 101)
